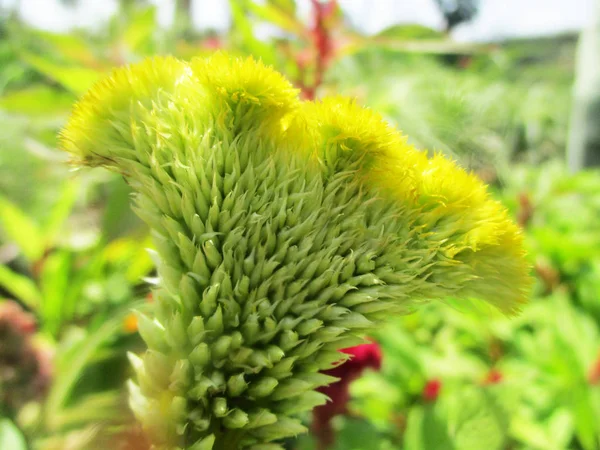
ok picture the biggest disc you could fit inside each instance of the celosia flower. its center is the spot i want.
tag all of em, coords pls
(24, 366)
(364, 356)
(285, 230)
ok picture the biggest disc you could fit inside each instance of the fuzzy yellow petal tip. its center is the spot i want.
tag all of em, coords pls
(454, 205)
(104, 111)
(245, 80)
(140, 103)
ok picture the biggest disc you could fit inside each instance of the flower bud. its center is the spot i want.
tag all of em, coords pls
(213, 257)
(309, 327)
(282, 428)
(219, 407)
(209, 300)
(182, 375)
(205, 443)
(236, 419)
(221, 347)
(251, 329)
(195, 330)
(263, 387)
(288, 340)
(292, 387)
(190, 297)
(176, 332)
(214, 324)
(158, 367)
(152, 332)
(236, 385)
(200, 355)
(200, 388)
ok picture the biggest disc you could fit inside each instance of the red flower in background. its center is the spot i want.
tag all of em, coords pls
(364, 356)
(432, 389)
(494, 376)
(212, 43)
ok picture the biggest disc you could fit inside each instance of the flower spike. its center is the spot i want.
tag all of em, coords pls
(285, 231)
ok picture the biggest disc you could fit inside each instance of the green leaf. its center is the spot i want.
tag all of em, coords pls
(248, 41)
(410, 31)
(586, 423)
(477, 421)
(22, 287)
(75, 79)
(54, 282)
(360, 435)
(37, 100)
(72, 365)
(287, 6)
(531, 433)
(277, 16)
(71, 46)
(11, 437)
(61, 210)
(433, 47)
(93, 408)
(425, 430)
(560, 427)
(141, 28)
(21, 229)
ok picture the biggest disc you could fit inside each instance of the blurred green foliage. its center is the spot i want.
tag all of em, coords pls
(74, 255)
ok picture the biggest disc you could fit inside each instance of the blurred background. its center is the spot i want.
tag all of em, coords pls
(508, 88)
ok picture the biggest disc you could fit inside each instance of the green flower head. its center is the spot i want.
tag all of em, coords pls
(285, 230)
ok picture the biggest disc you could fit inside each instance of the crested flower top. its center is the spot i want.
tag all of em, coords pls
(284, 230)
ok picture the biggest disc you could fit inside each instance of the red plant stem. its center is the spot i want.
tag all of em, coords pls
(594, 372)
(323, 46)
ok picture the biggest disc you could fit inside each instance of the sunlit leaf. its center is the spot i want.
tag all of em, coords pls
(11, 437)
(477, 421)
(409, 31)
(248, 41)
(61, 209)
(21, 229)
(426, 430)
(72, 365)
(586, 424)
(54, 281)
(358, 434)
(37, 100)
(76, 79)
(71, 46)
(21, 286)
(287, 6)
(277, 16)
(139, 31)
(99, 407)
(131, 253)
(419, 46)
(532, 434)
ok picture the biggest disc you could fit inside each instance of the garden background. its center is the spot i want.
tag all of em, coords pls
(521, 113)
